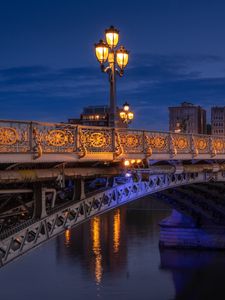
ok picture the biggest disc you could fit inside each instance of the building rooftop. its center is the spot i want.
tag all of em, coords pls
(95, 109)
(185, 103)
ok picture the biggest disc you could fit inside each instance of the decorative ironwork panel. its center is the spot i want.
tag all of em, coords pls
(157, 141)
(201, 144)
(182, 143)
(54, 138)
(14, 137)
(8, 136)
(131, 141)
(94, 140)
(218, 144)
(58, 138)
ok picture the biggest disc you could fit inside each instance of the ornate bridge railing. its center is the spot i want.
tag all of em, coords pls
(102, 143)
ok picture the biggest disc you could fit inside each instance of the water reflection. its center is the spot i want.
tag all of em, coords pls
(67, 235)
(116, 231)
(99, 245)
(113, 256)
(96, 248)
(109, 245)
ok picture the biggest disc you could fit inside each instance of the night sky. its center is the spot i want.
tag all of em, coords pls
(48, 69)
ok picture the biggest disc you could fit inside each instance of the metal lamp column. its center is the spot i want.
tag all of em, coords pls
(106, 52)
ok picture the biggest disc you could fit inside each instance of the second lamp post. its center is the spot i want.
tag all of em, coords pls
(117, 60)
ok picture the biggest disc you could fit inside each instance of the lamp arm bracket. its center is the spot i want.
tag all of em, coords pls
(105, 69)
(120, 72)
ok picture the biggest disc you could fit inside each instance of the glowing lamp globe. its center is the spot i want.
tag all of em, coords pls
(101, 51)
(130, 116)
(122, 115)
(122, 56)
(126, 106)
(112, 36)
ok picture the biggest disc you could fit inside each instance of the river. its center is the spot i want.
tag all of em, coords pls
(114, 256)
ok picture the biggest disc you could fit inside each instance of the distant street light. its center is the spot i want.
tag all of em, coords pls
(126, 115)
(106, 52)
(182, 125)
(177, 128)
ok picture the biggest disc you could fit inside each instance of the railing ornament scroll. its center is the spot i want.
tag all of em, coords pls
(37, 138)
(118, 145)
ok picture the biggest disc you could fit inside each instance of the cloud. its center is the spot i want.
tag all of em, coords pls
(151, 83)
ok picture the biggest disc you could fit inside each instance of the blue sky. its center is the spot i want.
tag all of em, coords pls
(48, 69)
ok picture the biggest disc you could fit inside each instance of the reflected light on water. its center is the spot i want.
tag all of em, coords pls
(116, 231)
(96, 248)
(67, 237)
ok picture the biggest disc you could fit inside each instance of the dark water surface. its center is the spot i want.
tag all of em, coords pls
(114, 256)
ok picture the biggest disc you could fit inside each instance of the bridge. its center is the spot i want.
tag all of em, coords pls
(40, 161)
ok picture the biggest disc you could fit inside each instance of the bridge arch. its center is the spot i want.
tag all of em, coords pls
(32, 234)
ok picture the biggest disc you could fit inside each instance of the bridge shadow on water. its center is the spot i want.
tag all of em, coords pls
(197, 274)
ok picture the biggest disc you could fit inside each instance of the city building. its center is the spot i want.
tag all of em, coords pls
(208, 129)
(188, 118)
(97, 115)
(218, 120)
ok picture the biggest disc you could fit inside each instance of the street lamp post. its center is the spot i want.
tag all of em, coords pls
(126, 114)
(117, 59)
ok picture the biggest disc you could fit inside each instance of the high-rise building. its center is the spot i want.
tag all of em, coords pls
(218, 120)
(97, 115)
(188, 118)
